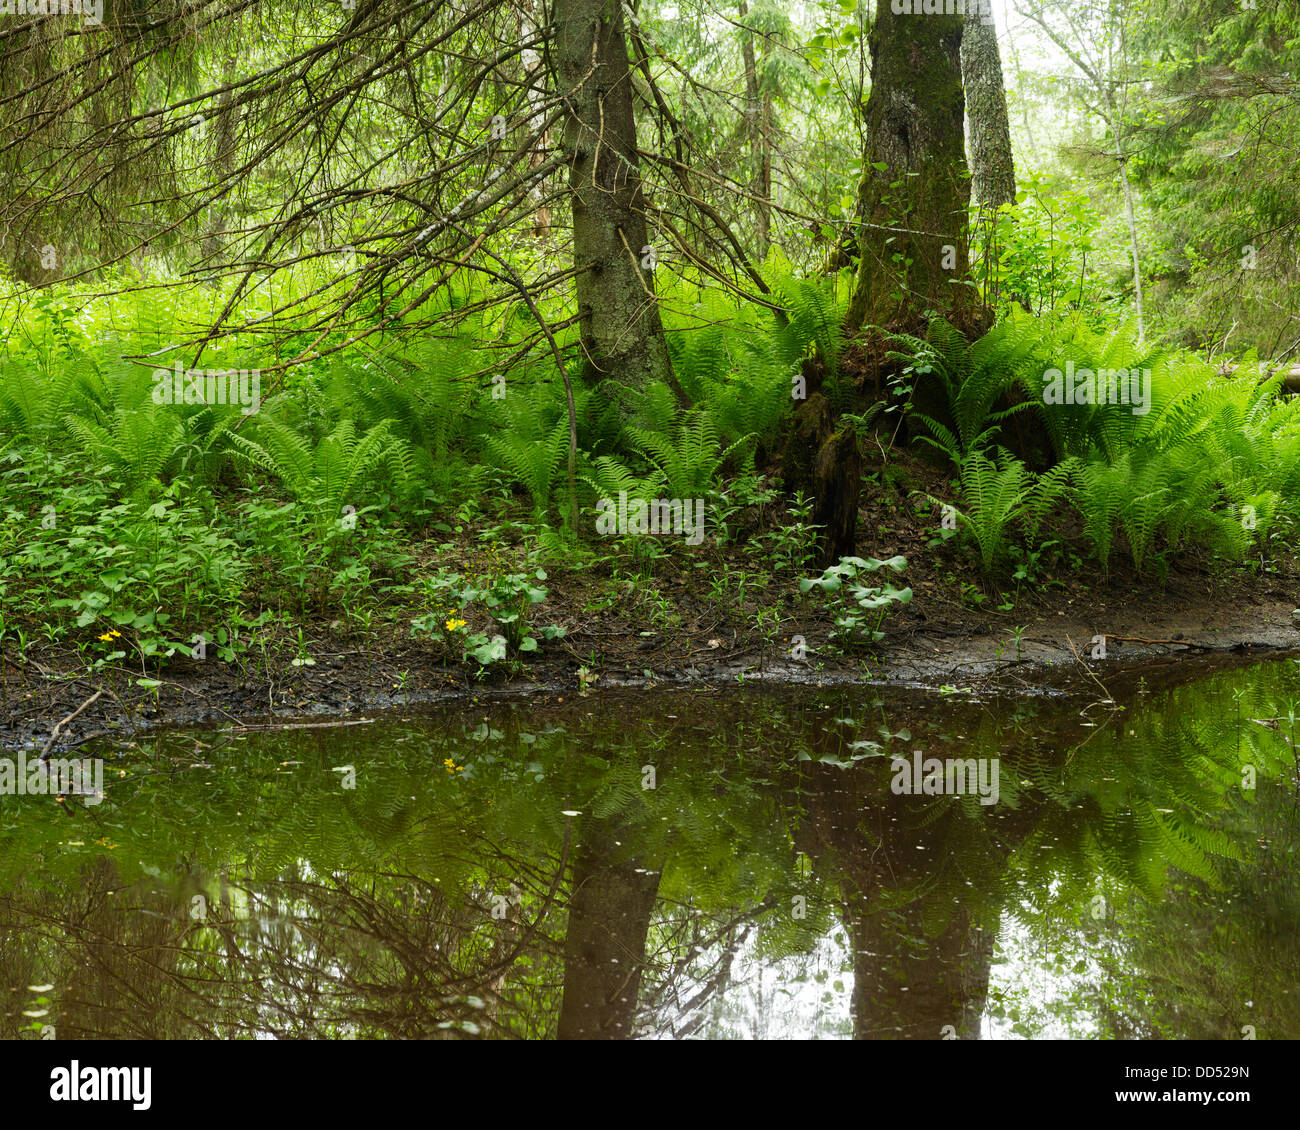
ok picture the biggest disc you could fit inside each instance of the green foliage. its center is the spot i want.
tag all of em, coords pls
(971, 379)
(156, 572)
(532, 441)
(1036, 251)
(1195, 458)
(999, 492)
(507, 599)
(334, 476)
(792, 543)
(815, 315)
(690, 458)
(859, 609)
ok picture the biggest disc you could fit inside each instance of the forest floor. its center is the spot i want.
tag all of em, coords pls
(707, 617)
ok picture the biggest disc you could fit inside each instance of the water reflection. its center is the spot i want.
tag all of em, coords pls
(708, 865)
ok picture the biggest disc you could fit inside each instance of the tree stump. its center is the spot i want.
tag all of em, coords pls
(823, 461)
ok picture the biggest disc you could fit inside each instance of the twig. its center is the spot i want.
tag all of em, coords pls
(54, 734)
(305, 725)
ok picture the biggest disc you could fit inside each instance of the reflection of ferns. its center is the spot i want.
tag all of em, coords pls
(620, 794)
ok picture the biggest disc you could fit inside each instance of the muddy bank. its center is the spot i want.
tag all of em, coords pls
(978, 652)
(710, 616)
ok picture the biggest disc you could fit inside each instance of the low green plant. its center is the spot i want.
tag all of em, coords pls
(507, 599)
(858, 609)
(792, 544)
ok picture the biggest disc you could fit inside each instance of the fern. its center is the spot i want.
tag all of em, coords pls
(136, 443)
(690, 460)
(997, 492)
(31, 402)
(972, 378)
(424, 392)
(332, 476)
(532, 441)
(607, 477)
(814, 320)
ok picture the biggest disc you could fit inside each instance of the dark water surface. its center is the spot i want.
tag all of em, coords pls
(720, 864)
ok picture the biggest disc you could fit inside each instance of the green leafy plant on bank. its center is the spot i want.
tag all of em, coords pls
(859, 609)
(1000, 491)
(507, 599)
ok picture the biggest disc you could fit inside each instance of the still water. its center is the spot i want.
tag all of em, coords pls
(738, 864)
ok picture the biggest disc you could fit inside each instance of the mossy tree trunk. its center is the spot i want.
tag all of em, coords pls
(622, 333)
(993, 172)
(915, 190)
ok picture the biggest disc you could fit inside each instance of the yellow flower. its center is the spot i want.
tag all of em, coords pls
(454, 625)
(450, 765)
(106, 636)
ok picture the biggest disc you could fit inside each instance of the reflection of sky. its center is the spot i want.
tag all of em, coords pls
(1038, 984)
(801, 997)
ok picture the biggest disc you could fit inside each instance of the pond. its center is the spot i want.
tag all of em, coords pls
(750, 863)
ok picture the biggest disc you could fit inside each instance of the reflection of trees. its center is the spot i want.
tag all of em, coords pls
(692, 967)
(663, 911)
(610, 903)
(115, 961)
(918, 887)
(302, 958)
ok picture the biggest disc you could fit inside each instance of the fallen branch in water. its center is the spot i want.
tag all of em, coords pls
(303, 725)
(1180, 643)
(54, 734)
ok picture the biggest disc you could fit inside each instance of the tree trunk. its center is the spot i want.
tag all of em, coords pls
(993, 174)
(535, 95)
(914, 204)
(758, 118)
(823, 461)
(906, 991)
(1130, 216)
(604, 945)
(622, 334)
